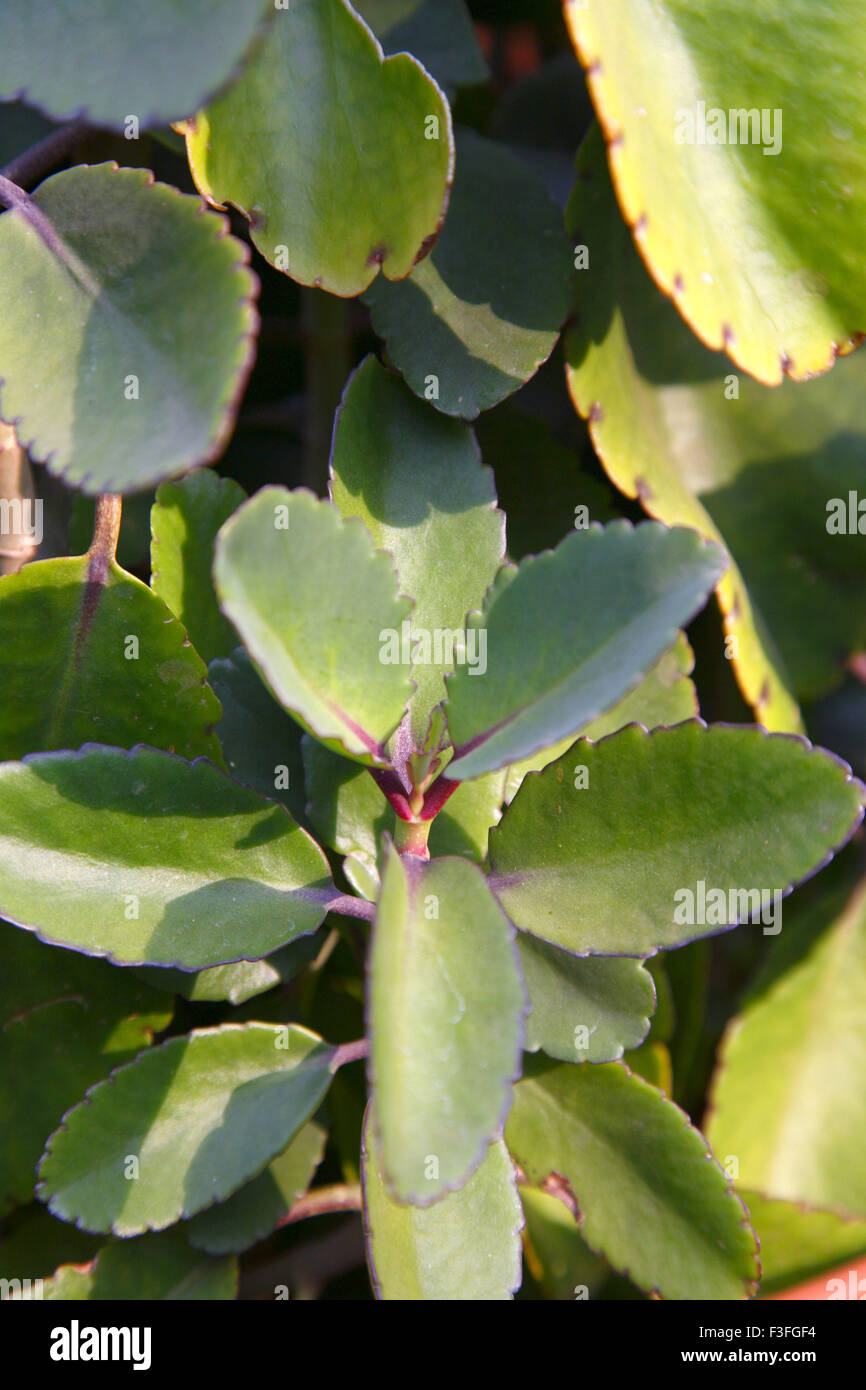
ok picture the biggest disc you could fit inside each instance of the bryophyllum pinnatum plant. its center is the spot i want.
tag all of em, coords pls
(362, 846)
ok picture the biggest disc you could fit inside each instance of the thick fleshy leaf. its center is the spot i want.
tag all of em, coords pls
(650, 1197)
(595, 614)
(334, 190)
(156, 62)
(723, 822)
(799, 1243)
(149, 860)
(103, 373)
(743, 177)
(422, 1254)
(255, 1210)
(789, 1100)
(201, 1114)
(235, 983)
(584, 1010)
(158, 1266)
(64, 1022)
(310, 597)
(439, 33)
(557, 1256)
(416, 482)
(445, 1009)
(480, 314)
(184, 521)
(260, 742)
(91, 653)
(704, 447)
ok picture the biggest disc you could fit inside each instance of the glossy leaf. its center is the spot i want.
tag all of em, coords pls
(333, 190)
(184, 521)
(743, 176)
(446, 1034)
(149, 860)
(202, 1115)
(156, 62)
(260, 742)
(596, 614)
(584, 1010)
(477, 318)
(103, 373)
(419, 1254)
(416, 482)
(711, 815)
(799, 1243)
(650, 1197)
(93, 654)
(310, 597)
(439, 33)
(704, 447)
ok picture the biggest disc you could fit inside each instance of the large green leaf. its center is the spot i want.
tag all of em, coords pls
(416, 482)
(799, 1243)
(754, 219)
(584, 1010)
(184, 521)
(149, 860)
(707, 448)
(156, 62)
(91, 653)
(650, 1197)
(201, 1114)
(341, 161)
(709, 814)
(260, 742)
(439, 33)
(445, 1007)
(789, 1101)
(111, 285)
(568, 634)
(64, 1022)
(464, 1248)
(310, 597)
(478, 317)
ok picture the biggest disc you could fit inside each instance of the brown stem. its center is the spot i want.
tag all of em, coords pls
(340, 1196)
(106, 530)
(349, 1052)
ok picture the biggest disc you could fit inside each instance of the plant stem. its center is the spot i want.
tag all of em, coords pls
(339, 1196)
(30, 165)
(106, 531)
(410, 837)
(326, 325)
(349, 1052)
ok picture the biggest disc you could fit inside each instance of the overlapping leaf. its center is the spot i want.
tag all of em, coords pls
(260, 742)
(798, 1243)
(439, 33)
(583, 1010)
(157, 1266)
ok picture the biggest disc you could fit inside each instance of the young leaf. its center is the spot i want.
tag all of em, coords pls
(416, 482)
(184, 521)
(419, 1254)
(480, 314)
(200, 1115)
(103, 326)
(568, 633)
(92, 653)
(334, 190)
(439, 33)
(310, 597)
(723, 821)
(584, 1010)
(651, 1199)
(150, 63)
(445, 1009)
(715, 196)
(149, 860)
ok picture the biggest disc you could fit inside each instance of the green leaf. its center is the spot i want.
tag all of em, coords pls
(260, 742)
(64, 1022)
(439, 33)
(477, 318)
(422, 1254)
(707, 448)
(202, 1115)
(153, 1267)
(73, 674)
(149, 860)
(584, 1010)
(334, 189)
(651, 1199)
(416, 482)
(20, 127)
(34, 1243)
(556, 1254)
(799, 1243)
(118, 281)
(789, 1099)
(595, 614)
(310, 597)
(157, 61)
(723, 821)
(255, 1210)
(184, 521)
(239, 982)
(446, 1033)
(721, 222)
